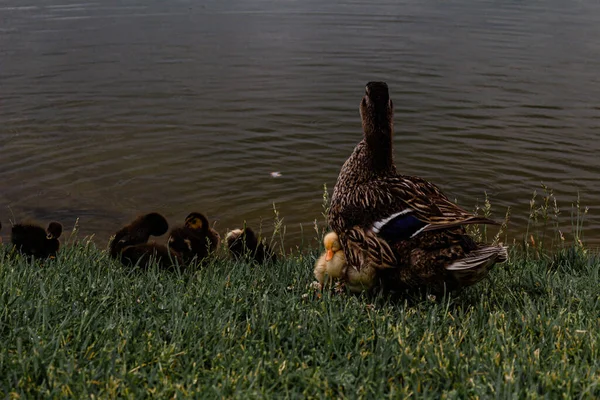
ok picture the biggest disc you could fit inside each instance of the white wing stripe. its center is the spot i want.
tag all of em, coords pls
(381, 223)
(419, 231)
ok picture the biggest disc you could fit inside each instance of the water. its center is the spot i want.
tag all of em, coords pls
(113, 108)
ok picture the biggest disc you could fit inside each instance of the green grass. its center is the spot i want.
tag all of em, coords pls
(85, 326)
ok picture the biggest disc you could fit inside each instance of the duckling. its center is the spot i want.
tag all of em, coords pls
(361, 280)
(33, 240)
(333, 262)
(143, 255)
(138, 232)
(195, 239)
(243, 243)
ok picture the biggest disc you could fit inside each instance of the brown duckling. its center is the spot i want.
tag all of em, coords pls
(195, 239)
(138, 232)
(33, 240)
(143, 255)
(243, 243)
(333, 262)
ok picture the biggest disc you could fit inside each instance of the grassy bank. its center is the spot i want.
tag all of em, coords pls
(84, 326)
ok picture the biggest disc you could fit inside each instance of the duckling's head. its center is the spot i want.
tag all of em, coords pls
(54, 230)
(247, 235)
(332, 245)
(242, 242)
(233, 235)
(197, 222)
(157, 223)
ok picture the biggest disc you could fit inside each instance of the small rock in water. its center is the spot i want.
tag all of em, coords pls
(275, 174)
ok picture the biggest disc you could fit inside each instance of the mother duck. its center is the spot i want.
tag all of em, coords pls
(401, 229)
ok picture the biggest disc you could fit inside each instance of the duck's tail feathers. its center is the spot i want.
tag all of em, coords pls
(475, 266)
(474, 220)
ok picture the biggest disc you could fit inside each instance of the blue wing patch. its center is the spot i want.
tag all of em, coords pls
(401, 227)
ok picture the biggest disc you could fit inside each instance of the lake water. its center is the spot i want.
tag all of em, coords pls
(113, 108)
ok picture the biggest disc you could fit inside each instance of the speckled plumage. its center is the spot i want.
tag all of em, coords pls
(369, 190)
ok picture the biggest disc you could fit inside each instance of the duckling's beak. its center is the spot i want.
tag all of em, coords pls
(329, 255)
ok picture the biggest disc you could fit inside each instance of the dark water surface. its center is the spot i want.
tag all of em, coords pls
(112, 108)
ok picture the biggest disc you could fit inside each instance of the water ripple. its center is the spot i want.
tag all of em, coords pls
(111, 110)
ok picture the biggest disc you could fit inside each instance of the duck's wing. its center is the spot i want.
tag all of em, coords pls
(476, 265)
(365, 246)
(421, 207)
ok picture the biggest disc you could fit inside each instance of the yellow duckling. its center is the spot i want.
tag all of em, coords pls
(358, 281)
(365, 276)
(333, 262)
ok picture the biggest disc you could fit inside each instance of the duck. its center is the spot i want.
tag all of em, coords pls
(138, 231)
(33, 240)
(144, 254)
(402, 227)
(195, 239)
(244, 244)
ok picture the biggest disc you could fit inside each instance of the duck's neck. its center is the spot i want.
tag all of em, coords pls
(379, 145)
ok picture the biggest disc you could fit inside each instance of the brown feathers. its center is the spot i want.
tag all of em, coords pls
(243, 244)
(144, 254)
(195, 239)
(138, 231)
(33, 240)
(402, 226)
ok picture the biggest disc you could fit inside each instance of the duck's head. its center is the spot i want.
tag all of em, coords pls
(54, 230)
(157, 223)
(376, 107)
(332, 245)
(197, 222)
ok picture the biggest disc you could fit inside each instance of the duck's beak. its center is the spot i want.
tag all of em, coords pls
(329, 255)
